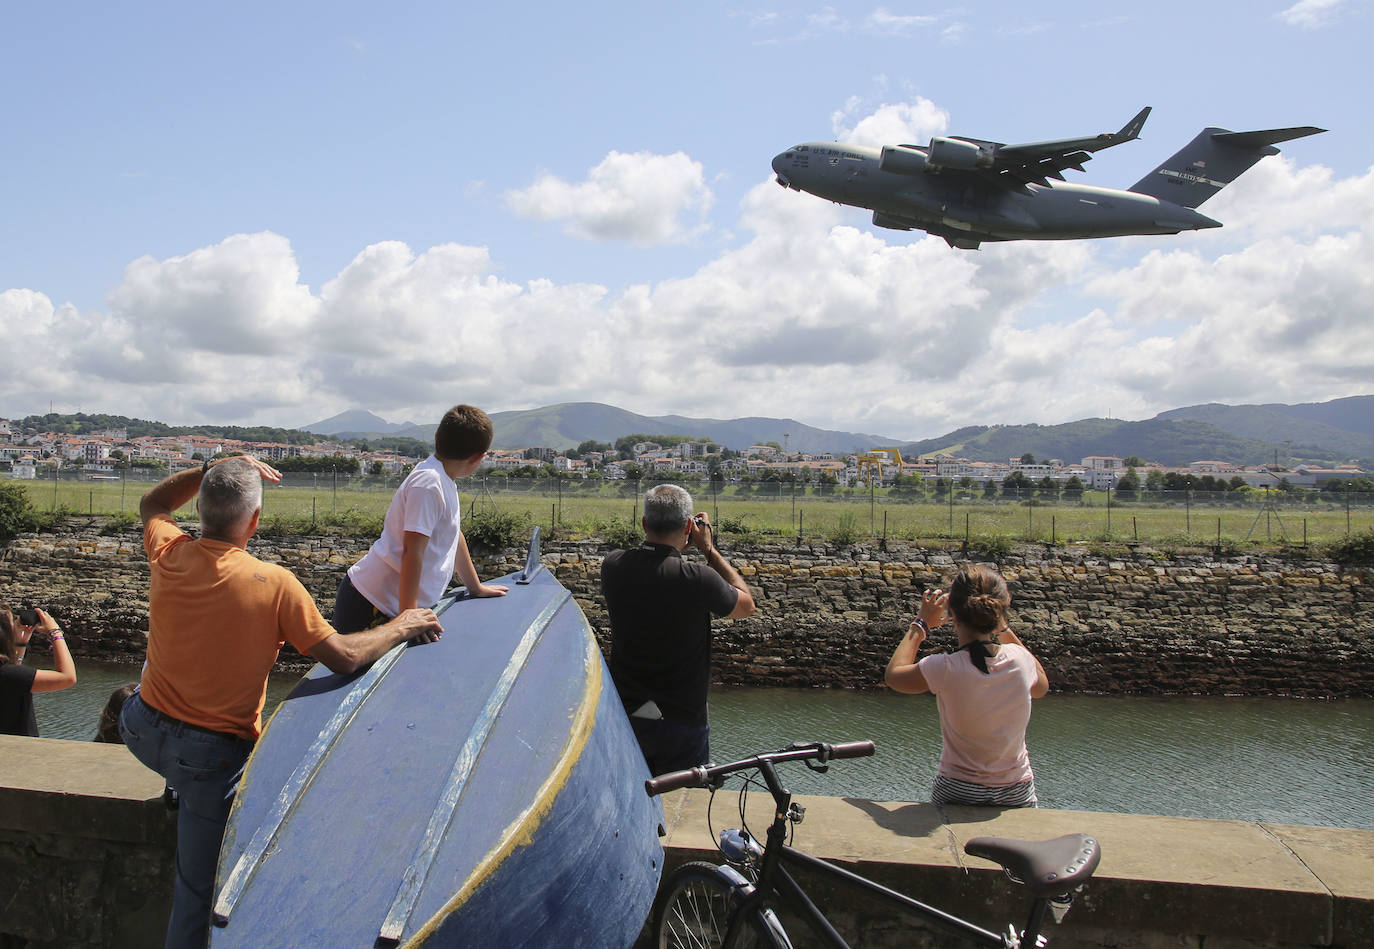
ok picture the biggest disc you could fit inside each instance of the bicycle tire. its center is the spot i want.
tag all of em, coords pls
(694, 908)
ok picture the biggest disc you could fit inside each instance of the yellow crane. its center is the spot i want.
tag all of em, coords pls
(875, 459)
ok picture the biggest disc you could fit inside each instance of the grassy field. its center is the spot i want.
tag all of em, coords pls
(307, 504)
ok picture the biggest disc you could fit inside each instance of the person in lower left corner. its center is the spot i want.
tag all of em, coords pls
(217, 617)
(19, 682)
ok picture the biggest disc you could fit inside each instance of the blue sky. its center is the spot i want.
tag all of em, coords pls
(270, 213)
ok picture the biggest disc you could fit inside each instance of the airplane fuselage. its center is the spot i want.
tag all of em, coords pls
(950, 204)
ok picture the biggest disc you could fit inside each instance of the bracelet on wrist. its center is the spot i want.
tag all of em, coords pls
(921, 623)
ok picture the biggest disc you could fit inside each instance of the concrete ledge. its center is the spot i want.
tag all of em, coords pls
(1163, 881)
(85, 846)
(86, 855)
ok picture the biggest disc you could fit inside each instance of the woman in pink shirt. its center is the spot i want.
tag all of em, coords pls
(983, 690)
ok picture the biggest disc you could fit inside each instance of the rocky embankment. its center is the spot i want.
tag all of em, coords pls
(829, 616)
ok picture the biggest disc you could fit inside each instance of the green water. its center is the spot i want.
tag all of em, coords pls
(1281, 760)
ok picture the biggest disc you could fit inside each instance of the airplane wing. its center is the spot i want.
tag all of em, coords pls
(1019, 165)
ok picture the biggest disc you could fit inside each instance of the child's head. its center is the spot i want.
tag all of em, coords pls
(978, 598)
(463, 433)
(107, 730)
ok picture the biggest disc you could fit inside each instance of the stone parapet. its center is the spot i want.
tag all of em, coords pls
(1163, 883)
(830, 616)
(86, 846)
(86, 853)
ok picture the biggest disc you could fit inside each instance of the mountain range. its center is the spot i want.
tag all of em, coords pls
(568, 424)
(1319, 432)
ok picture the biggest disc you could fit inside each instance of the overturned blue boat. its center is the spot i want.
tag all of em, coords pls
(484, 790)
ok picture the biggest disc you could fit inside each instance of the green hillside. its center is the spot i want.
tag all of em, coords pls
(569, 423)
(1173, 442)
(1343, 428)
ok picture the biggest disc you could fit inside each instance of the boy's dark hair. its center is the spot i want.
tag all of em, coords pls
(464, 431)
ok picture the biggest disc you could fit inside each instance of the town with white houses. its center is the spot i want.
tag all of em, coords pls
(101, 454)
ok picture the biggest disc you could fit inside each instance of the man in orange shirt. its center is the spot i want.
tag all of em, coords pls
(217, 617)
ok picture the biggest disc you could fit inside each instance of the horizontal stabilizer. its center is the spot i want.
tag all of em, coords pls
(1266, 137)
(1211, 161)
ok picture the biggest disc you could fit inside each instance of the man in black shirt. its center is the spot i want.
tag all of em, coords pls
(660, 608)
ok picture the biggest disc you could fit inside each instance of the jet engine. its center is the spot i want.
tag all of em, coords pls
(956, 153)
(892, 222)
(902, 160)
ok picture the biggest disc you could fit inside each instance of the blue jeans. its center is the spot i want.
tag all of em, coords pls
(205, 768)
(670, 746)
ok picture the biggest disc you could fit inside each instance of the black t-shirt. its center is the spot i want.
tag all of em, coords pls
(16, 700)
(660, 608)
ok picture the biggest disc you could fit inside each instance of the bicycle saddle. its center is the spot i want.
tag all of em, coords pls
(1047, 867)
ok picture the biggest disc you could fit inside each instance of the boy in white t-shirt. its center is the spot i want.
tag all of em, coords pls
(422, 543)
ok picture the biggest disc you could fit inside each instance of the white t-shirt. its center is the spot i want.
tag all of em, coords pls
(983, 718)
(425, 503)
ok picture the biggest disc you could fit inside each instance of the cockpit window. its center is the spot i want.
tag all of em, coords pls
(802, 148)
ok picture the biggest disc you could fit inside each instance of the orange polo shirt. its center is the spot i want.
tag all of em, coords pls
(217, 616)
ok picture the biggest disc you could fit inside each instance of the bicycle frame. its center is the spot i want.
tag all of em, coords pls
(775, 881)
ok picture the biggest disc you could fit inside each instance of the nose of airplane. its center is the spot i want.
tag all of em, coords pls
(778, 166)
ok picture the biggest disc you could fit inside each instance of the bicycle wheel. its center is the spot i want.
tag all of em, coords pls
(694, 907)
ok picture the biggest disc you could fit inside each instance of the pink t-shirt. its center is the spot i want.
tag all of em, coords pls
(983, 717)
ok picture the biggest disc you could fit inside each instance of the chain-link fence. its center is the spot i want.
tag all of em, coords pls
(799, 510)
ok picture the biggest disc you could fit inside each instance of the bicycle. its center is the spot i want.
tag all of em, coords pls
(733, 904)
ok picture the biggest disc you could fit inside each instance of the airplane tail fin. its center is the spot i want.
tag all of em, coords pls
(1131, 130)
(1211, 161)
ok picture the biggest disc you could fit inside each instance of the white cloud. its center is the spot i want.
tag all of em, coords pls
(811, 315)
(641, 198)
(882, 20)
(911, 122)
(1311, 14)
(953, 34)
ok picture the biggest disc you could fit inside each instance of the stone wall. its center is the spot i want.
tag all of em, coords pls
(830, 616)
(86, 862)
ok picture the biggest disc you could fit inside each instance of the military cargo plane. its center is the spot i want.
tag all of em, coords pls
(967, 190)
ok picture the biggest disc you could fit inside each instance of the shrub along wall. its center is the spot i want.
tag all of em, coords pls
(830, 616)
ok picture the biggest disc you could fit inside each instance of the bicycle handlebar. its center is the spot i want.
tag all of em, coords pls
(701, 776)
